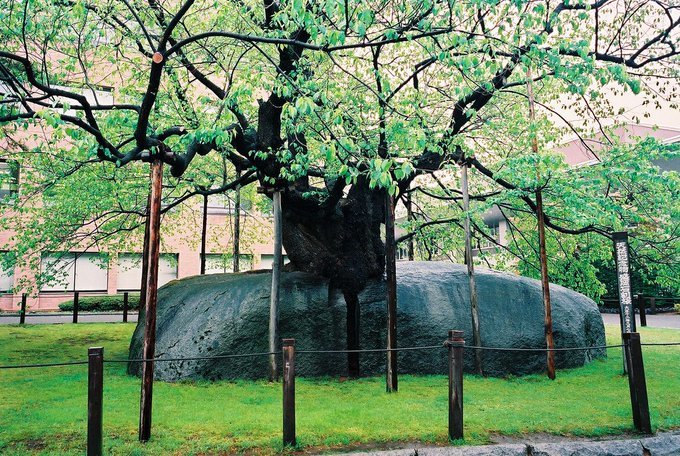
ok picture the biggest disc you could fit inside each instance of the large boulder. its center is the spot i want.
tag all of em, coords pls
(223, 314)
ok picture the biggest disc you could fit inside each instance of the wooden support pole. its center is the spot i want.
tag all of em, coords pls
(126, 303)
(236, 253)
(469, 261)
(145, 251)
(204, 232)
(95, 399)
(392, 379)
(76, 304)
(652, 305)
(409, 217)
(637, 382)
(545, 285)
(289, 392)
(542, 255)
(151, 295)
(274, 296)
(641, 309)
(455, 344)
(22, 312)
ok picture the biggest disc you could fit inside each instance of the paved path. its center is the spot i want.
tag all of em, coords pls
(664, 320)
(663, 444)
(43, 318)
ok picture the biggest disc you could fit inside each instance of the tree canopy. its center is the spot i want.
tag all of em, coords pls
(336, 100)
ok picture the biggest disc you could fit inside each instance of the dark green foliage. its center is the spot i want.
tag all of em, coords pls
(106, 303)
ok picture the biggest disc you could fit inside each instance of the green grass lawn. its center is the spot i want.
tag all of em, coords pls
(44, 411)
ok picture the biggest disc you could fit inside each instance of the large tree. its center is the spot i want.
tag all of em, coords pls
(336, 101)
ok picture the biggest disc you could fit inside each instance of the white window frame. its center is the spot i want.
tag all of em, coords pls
(70, 281)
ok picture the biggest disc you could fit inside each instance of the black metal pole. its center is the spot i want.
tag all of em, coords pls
(637, 382)
(641, 308)
(455, 344)
(95, 399)
(126, 303)
(76, 298)
(289, 392)
(22, 312)
(204, 232)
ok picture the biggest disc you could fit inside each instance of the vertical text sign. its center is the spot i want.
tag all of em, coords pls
(623, 275)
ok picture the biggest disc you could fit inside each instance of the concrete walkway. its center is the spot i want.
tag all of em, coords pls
(47, 318)
(664, 320)
(663, 444)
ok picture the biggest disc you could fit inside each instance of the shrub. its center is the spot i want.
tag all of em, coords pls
(105, 303)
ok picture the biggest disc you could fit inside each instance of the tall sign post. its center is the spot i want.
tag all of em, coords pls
(627, 313)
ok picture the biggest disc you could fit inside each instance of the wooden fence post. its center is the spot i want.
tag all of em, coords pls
(126, 302)
(641, 308)
(637, 383)
(22, 312)
(76, 298)
(455, 344)
(289, 392)
(95, 395)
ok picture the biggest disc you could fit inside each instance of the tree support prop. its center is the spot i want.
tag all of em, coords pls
(469, 262)
(392, 382)
(276, 278)
(151, 296)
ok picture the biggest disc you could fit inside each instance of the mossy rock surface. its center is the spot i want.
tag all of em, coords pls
(224, 314)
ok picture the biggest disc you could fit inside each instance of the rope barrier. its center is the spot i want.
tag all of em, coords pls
(370, 350)
(194, 358)
(595, 347)
(66, 363)
(662, 344)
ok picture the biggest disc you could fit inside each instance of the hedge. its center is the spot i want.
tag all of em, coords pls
(105, 303)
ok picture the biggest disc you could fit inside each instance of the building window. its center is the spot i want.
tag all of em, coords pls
(266, 261)
(402, 252)
(223, 203)
(9, 178)
(130, 270)
(6, 277)
(74, 272)
(493, 231)
(217, 263)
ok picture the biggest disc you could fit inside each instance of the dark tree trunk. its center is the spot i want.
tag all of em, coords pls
(342, 243)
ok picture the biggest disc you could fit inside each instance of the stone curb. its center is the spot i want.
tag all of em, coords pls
(664, 444)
